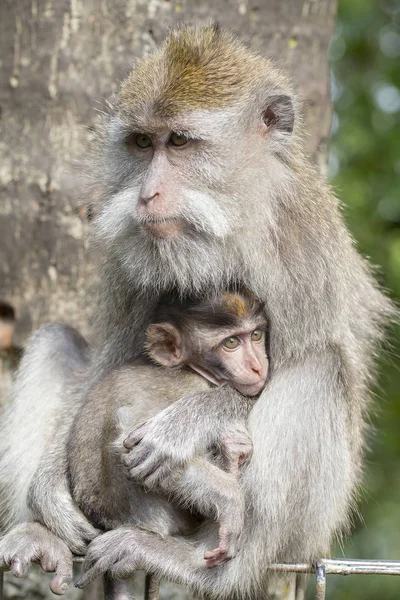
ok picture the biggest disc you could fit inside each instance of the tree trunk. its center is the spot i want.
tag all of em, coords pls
(61, 59)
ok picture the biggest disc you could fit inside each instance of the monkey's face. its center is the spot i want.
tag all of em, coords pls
(177, 178)
(239, 359)
(191, 161)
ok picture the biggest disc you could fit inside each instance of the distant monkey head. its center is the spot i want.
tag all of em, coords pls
(223, 338)
(196, 150)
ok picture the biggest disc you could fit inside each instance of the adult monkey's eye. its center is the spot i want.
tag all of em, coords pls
(257, 335)
(231, 342)
(176, 139)
(142, 140)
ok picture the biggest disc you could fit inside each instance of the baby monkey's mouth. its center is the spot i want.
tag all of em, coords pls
(251, 389)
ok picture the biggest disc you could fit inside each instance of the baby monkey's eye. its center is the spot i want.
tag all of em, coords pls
(176, 139)
(142, 140)
(257, 335)
(231, 342)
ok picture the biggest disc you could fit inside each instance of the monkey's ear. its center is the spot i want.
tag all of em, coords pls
(164, 344)
(279, 114)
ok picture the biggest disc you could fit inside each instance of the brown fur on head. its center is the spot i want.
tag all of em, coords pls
(195, 68)
(228, 309)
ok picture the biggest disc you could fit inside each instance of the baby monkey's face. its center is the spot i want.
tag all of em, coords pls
(223, 339)
(244, 359)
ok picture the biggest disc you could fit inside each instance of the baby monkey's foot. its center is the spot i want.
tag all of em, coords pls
(216, 557)
(229, 542)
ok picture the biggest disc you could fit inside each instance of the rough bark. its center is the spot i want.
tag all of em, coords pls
(60, 60)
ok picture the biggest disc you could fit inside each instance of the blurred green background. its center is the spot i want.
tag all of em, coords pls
(364, 169)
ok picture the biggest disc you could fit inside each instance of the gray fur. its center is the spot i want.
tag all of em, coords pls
(103, 489)
(279, 232)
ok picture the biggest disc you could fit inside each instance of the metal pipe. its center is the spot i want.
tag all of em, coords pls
(320, 581)
(151, 587)
(347, 566)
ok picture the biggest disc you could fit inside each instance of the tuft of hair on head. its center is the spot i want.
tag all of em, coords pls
(236, 304)
(227, 309)
(197, 68)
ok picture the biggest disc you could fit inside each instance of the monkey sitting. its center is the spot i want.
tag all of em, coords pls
(218, 341)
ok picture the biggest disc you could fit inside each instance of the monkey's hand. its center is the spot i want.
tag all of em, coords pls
(164, 445)
(31, 542)
(118, 553)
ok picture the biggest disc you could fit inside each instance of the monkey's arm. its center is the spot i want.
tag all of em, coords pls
(158, 447)
(317, 420)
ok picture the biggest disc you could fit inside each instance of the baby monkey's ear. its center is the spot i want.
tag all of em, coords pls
(164, 344)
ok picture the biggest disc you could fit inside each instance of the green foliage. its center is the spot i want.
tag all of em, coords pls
(365, 172)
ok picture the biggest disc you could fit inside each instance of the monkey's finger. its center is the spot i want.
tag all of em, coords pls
(159, 476)
(48, 564)
(96, 570)
(212, 553)
(60, 583)
(215, 557)
(123, 568)
(145, 469)
(86, 578)
(135, 457)
(214, 562)
(134, 437)
(19, 566)
(64, 570)
(82, 534)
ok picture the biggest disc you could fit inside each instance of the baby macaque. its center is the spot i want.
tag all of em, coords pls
(195, 345)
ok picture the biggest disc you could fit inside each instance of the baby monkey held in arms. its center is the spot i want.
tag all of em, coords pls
(216, 341)
(220, 341)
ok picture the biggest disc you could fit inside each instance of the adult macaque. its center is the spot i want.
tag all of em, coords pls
(206, 184)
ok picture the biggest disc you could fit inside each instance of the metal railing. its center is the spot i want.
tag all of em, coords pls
(322, 568)
(336, 566)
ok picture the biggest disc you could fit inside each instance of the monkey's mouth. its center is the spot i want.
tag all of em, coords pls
(251, 389)
(163, 226)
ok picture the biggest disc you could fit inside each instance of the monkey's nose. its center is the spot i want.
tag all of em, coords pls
(256, 371)
(145, 200)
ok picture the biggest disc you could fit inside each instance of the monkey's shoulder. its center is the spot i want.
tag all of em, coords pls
(158, 381)
(146, 387)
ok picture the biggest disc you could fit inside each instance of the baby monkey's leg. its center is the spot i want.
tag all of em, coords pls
(236, 449)
(215, 493)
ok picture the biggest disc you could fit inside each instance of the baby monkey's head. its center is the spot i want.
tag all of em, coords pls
(222, 337)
